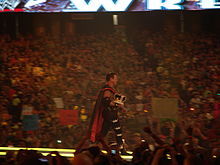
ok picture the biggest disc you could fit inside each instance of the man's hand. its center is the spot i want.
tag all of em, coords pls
(112, 104)
(122, 107)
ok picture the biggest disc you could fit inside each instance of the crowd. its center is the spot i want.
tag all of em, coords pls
(35, 71)
(176, 153)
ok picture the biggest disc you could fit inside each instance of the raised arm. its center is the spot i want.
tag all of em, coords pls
(155, 137)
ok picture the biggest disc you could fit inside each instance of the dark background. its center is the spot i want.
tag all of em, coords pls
(180, 21)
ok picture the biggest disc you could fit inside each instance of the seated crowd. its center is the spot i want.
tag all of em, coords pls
(35, 71)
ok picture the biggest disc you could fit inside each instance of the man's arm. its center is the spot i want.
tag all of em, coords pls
(107, 98)
(155, 137)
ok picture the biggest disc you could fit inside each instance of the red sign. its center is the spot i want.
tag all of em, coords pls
(216, 112)
(68, 117)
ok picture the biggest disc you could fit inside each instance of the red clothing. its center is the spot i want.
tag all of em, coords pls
(97, 118)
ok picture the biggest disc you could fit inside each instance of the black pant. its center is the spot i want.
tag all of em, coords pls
(111, 121)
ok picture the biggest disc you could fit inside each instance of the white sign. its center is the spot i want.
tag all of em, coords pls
(27, 110)
(123, 5)
(108, 5)
(58, 102)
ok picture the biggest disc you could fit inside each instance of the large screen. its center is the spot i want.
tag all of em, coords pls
(104, 5)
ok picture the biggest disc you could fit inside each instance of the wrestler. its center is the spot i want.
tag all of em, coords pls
(105, 113)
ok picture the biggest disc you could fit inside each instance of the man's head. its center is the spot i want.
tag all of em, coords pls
(112, 78)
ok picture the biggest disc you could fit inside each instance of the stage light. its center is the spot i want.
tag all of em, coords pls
(39, 149)
(46, 151)
(115, 19)
(2, 153)
(214, 156)
(192, 109)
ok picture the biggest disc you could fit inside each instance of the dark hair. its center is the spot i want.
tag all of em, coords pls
(109, 76)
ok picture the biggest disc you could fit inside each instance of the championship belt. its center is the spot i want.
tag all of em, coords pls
(119, 99)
